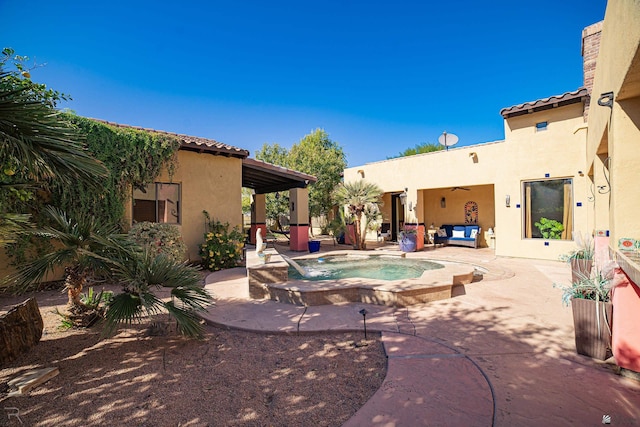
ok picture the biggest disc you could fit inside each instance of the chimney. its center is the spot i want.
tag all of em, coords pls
(590, 47)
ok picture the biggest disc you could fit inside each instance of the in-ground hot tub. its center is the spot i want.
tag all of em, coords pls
(428, 280)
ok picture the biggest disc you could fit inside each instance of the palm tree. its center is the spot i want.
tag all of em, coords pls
(83, 247)
(145, 271)
(357, 196)
(36, 146)
(34, 136)
(86, 249)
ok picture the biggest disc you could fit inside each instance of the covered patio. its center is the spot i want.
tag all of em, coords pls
(264, 178)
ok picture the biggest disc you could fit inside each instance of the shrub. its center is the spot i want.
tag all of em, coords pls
(160, 239)
(222, 247)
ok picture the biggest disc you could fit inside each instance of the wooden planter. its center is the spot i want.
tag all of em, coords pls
(580, 268)
(591, 340)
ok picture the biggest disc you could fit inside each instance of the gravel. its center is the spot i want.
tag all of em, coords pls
(154, 378)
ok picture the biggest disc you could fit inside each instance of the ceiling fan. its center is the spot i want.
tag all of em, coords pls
(460, 188)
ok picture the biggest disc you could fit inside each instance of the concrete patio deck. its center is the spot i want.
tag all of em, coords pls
(499, 353)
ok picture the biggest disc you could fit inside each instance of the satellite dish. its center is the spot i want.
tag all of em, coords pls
(447, 139)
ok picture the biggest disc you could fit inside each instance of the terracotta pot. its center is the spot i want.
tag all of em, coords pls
(592, 340)
(580, 268)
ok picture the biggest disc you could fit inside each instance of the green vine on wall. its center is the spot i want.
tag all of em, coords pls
(134, 158)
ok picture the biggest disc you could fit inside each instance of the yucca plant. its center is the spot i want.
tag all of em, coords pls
(596, 286)
(357, 196)
(590, 297)
(141, 273)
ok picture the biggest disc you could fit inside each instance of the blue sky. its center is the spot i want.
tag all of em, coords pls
(378, 76)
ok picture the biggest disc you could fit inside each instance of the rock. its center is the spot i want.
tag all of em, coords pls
(20, 329)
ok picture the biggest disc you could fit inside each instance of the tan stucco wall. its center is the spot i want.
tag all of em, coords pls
(615, 132)
(211, 183)
(496, 170)
(208, 182)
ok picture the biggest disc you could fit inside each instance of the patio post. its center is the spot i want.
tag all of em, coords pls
(299, 222)
(258, 216)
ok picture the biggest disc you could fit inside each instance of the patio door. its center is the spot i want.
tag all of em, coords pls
(397, 216)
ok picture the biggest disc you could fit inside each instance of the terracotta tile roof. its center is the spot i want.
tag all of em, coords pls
(192, 143)
(546, 103)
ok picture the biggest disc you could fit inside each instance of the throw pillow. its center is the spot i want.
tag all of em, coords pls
(442, 232)
(474, 233)
(457, 233)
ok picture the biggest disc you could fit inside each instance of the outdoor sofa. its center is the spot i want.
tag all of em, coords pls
(460, 235)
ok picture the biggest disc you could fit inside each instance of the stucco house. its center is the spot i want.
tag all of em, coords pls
(573, 158)
(210, 176)
(613, 166)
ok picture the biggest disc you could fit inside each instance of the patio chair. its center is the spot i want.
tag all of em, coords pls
(384, 232)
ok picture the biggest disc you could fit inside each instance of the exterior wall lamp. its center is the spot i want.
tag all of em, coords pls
(403, 198)
(443, 203)
(507, 201)
(606, 100)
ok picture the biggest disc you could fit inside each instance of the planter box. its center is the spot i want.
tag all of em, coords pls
(314, 245)
(592, 340)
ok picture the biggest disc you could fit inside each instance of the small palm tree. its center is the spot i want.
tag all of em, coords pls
(85, 248)
(357, 196)
(82, 247)
(143, 272)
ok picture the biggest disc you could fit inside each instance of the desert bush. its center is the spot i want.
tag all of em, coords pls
(159, 239)
(222, 247)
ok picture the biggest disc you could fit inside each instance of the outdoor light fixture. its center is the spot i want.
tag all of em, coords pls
(507, 201)
(403, 196)
(606, 100)
(361, 172)
(364, 319)
(443, 203)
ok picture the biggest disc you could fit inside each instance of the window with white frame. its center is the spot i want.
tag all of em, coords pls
(548, 209)
(157, 202)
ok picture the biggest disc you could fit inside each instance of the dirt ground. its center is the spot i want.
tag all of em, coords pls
(231, 378)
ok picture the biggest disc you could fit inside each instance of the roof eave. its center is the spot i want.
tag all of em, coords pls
(567, 98)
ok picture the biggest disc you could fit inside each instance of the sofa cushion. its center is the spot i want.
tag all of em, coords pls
(457, 234)
(468, 228)
(448, 228)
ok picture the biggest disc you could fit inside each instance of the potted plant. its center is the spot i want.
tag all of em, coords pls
(580, 259)
(408, 239)
(550, 228)
(338, 227)
(590, 298)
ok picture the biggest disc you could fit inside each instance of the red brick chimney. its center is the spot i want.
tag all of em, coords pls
(590, 47)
